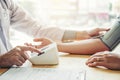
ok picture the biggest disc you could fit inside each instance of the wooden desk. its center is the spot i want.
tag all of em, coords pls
(78, 62)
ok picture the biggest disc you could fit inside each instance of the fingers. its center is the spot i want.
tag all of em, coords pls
(38, 39)
(20, 55)
(100, 54)
(32, 49)
(95, 64)
(18, 60)
(22, 59)
(17, 56)
(35, 46)
(28, 44)
(110, 61)
(26, 48)
(15, 59)
(104, 29)
(25, 56)
(23, 49)
(95, 59)
(45, 40)
(18, 63)
(39, 46)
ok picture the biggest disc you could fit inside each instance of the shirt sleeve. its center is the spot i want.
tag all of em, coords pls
(22, 21)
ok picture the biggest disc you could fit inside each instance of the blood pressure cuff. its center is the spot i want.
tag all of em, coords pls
(112, 38)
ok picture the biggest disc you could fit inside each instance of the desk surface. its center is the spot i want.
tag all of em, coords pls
(78, 62)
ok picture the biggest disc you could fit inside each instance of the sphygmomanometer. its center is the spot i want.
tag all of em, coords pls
(112, 38)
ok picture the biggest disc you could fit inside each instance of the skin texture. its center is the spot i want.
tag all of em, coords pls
(81, 35)
(88, 46)
(105, 59)
(96, 31)
(43, 42)
(86, 43)
(17, 56)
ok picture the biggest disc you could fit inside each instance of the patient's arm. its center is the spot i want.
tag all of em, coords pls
(89, 46)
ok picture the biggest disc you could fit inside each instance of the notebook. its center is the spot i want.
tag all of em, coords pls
(42, 74)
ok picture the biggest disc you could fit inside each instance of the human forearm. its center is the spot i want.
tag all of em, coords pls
(89, 46)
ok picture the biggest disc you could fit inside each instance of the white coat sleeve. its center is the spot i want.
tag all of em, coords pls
(22, 21)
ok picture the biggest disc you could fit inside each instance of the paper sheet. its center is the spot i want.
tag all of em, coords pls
(42, 74)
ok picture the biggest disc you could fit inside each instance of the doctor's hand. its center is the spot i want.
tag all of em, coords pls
(90, 33)
(96, 31)
(16, 56)
(42, 42)
(106, 59)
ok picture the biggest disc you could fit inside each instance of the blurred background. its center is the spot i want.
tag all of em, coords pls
(73, 13)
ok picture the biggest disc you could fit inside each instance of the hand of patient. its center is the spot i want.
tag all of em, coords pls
(41, 42)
